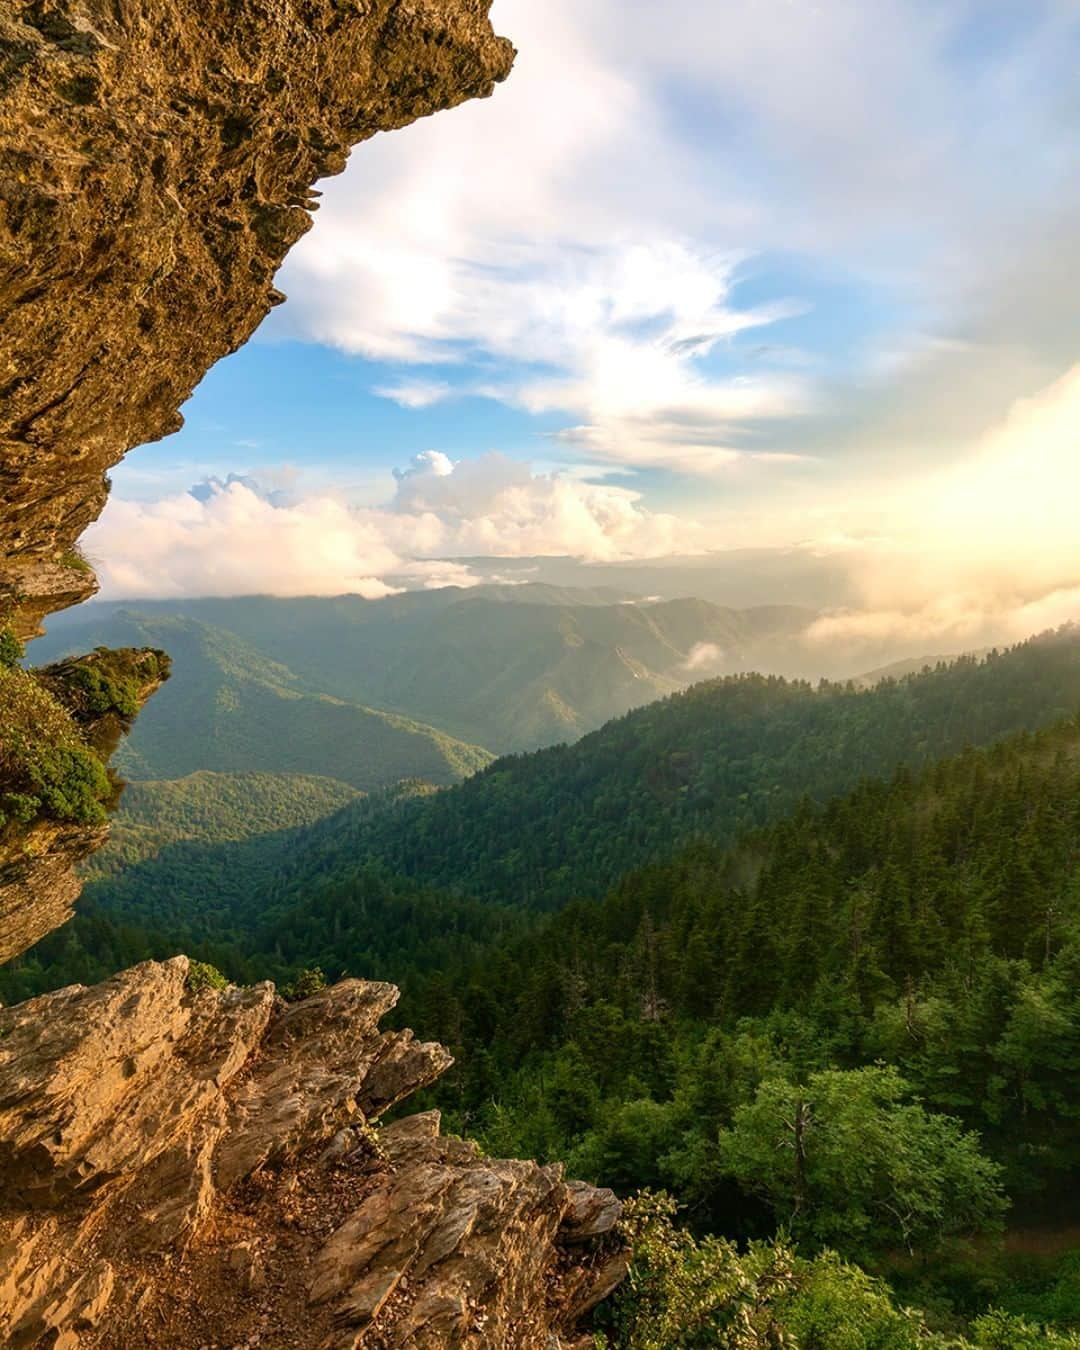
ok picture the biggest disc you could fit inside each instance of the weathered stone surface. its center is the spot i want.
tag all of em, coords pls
(326, 1067)
(590, 1212)
(157, 159)
(96, 1082)
(184, 1168)
(38, 883)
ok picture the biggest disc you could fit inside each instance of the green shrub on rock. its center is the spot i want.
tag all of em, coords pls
(45, 766)
(304, 985)
(11, 649)
(106, 682)
(202, 975)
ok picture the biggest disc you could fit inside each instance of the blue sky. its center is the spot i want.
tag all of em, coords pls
(697, 276)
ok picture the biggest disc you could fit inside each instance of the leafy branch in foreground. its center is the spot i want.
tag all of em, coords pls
(683, 1293)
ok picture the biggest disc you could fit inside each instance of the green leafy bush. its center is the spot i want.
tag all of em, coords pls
(999, 1330)
(202, 975)
(304, 985)
(685, 1294)
(102, 692)
(11, 649)
(105, 682)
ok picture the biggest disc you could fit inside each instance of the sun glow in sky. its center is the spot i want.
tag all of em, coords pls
(697, 276)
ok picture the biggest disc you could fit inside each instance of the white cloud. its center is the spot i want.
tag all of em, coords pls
(703, 657)
(518, 231)
(235, 542)
(572, 248)
(496, 505)
(570, 245)
(226, 537)
(415, 393)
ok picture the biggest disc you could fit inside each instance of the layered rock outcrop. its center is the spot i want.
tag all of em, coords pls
(186, 1168)
(58, 729)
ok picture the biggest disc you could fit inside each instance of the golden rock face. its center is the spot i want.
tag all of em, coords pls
(187, 1166)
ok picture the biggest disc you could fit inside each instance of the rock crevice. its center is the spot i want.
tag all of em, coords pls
(184, 1167)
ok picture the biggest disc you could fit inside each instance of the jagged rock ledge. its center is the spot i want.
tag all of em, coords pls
(58, 729)
(200, 1168)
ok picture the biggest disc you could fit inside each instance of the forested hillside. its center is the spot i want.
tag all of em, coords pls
(742, 979)
(230, 709)
(212, 808)
(931, 921)
(507, 667)
(861, 1025)
(535, 831)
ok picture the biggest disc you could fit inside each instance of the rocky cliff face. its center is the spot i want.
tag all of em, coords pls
(182, 1165)
(201, 1168)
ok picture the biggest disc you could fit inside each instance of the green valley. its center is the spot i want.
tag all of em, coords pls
(228, 708)
(751, 907)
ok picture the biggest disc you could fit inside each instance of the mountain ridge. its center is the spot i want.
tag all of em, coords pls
(506, 667)
(720, 757)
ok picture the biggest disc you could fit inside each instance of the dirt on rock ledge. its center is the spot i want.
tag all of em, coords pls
(183, 1168)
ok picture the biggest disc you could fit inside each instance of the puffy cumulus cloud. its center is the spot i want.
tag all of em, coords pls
(227, 537)
(985, 550)
(230, 540)
(495, 505)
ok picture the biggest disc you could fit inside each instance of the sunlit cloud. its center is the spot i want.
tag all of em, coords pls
(985, 549)
(229, 537)
(572, 248)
